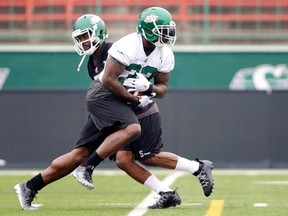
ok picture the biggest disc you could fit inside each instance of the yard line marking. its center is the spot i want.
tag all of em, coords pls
(113, 172)
(30, 172)
(249, 172)
(260, 205)
(141, 208)
(216, 207)
(272, 182)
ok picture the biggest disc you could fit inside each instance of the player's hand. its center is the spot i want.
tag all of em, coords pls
(144, 101)
(139, 84)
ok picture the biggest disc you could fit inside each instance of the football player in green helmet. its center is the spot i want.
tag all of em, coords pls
(88, 33)
(113, 124)
(147, 49)
(157, 26)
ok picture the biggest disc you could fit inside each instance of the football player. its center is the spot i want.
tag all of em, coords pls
(114, 131)
(147, 148)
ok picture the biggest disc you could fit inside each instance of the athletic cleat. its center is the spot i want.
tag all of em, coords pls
(166, 200)
(83, 174)
(205, 177)
(25, 196)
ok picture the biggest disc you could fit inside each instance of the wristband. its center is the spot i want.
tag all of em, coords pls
(149, 90)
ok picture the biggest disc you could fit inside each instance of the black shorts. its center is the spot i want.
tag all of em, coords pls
(90, 136)
(106, 113)
(149, 143)
(107, 109)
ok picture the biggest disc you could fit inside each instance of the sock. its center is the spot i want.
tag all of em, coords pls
(156, 185)
(184, 164)
(36, 183)
(94, 160)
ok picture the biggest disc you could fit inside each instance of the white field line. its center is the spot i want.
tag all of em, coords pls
(249, 172)
(113, 172)
(260, 205)
(100, 172)
(141, 208)
(272, 182)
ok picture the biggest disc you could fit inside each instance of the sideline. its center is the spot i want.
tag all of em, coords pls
(113, 172)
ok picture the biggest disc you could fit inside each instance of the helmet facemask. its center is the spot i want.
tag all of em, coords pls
(91, 38)
(88, 33)
(166, 34)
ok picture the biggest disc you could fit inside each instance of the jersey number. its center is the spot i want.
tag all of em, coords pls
(148, 71)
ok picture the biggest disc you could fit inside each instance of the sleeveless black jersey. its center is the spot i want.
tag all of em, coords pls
(94, 68)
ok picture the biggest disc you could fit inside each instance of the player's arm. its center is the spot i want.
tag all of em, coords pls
(160, 86)
(113, 69)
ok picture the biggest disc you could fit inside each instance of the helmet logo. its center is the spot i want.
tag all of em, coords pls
(94, 20)
(151, 18)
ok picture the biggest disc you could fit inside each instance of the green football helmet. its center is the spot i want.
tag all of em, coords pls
(157, 26)
(94, 27)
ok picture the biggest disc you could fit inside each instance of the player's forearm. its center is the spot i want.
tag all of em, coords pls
(110, 80)
(118, 89)
(160, 90)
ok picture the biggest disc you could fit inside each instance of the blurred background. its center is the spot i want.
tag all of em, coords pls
(228, 98)
(199, 21)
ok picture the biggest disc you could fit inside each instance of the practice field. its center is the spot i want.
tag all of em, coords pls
(237, 193)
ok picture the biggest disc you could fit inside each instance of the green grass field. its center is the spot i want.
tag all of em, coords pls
(243, 193)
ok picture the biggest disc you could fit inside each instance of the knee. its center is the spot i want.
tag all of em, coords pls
(79, 155)
(122, 162)
(133, 131)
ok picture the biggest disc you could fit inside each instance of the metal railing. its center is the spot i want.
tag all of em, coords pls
(198, 21)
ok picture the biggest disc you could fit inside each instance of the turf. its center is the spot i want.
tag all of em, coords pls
(118, 195)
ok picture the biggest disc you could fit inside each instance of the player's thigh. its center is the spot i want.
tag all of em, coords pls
(111, 112)
(150, 142)
(90, 136)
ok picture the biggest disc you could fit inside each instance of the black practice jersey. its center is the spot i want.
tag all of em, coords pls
(95, 67)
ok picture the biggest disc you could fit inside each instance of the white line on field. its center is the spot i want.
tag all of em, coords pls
(113, 172)
(272, 182)
(149, 200)
(99, 172)
(260, 205)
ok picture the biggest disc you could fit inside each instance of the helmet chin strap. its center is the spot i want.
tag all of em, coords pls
(79, 65)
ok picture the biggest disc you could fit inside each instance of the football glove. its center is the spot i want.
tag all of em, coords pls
(144, 101)
(139, 84)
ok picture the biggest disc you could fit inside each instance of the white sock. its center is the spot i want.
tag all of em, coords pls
(184, 164)
(156, 185)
